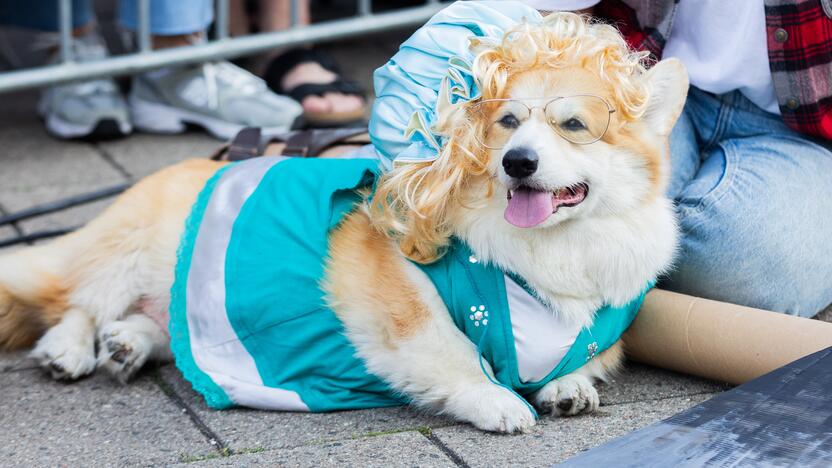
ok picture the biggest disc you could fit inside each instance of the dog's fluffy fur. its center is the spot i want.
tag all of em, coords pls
(98, 283)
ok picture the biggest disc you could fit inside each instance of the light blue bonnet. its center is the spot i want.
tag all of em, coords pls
(435, 61)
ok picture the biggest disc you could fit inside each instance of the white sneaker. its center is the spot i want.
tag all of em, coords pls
(219, 97)
(89, 108)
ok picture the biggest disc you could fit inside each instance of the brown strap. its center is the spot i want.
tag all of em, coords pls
(311, 143)
(301, 143)
(245, 145)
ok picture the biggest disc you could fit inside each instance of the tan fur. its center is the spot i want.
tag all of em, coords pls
(611, 359)
(366, 270)
(36, 283)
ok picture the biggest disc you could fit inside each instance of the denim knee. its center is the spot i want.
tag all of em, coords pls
(43, 14)
(169, 17)
(746, 239)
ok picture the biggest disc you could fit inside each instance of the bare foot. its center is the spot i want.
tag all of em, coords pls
(314, 73)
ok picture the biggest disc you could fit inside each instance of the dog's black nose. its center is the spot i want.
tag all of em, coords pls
(520, 162)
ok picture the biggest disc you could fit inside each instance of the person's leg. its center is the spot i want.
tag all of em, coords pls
(81, 109)
(170, 17)
(43, 14)
(757, 218)
(239, 23)
(275, 15)
(218, 96)
(684, 151)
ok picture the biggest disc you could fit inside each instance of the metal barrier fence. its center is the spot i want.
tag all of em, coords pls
(222, 47)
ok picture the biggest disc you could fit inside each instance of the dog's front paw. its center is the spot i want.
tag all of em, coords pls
(65, 355)
(492, 408)
(567, 396)
(122, 351)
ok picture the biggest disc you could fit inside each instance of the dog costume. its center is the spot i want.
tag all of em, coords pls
(250, 325)
(249, 322)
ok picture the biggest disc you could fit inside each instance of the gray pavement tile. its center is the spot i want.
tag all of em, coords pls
(32, 159)
(93, 422)
(556, 439)
(410, 449)
(6, 232)
(638, 382)
(142, 154)
(20, 199)
(243, 429)
(15, 361)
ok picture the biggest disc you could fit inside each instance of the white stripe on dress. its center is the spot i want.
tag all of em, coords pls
(215, 346)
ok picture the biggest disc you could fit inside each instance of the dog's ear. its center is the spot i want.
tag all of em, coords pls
(668, 83)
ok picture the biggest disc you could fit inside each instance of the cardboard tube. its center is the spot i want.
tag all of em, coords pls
(718, 340)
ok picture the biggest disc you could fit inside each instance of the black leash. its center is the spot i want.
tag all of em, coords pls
(52, 207)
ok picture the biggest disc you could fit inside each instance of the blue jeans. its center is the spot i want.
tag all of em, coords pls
(167, 17)
(754, 200)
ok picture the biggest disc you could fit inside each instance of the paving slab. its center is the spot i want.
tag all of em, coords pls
(32, 159)
(638, 382)
(24, 198)
(243, 429)
(36, 168)
(93, 422)
(6, 232)
(142, 154)
(15, 361)
(407, 449)
(553, 440)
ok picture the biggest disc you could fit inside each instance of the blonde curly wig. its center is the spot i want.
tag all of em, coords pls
(413, 201)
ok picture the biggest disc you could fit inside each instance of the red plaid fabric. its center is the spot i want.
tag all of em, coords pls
(799, 51)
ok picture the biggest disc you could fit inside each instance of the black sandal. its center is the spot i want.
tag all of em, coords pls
(281, 65)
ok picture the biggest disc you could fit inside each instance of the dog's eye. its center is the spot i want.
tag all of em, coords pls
(509, 121)
(573, 125)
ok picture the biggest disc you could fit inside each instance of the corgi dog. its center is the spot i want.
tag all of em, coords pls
(554, 178)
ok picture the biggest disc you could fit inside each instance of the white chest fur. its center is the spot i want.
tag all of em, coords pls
(583, 264)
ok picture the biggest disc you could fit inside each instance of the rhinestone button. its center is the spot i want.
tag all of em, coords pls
(792, 104)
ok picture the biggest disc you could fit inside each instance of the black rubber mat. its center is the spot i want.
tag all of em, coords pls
(783, 418)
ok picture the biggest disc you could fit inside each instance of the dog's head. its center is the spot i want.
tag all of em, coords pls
(569, 125)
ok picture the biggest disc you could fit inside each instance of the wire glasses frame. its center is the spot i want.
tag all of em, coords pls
(582, 119)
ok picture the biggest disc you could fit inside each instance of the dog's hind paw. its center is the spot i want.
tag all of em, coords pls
(567, 396)
(64, 356)
(122, 351)
(492, 408)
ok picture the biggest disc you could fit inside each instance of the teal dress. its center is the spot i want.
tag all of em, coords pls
(249, 322)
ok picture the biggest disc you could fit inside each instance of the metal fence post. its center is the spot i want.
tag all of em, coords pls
(365, 7)
(144, 26)
(295, 13)
(65, 18)
(222, 20)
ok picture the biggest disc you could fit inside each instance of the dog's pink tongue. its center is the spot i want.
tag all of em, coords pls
(528, 208)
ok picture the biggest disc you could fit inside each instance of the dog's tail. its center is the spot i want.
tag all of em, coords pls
(32, 295)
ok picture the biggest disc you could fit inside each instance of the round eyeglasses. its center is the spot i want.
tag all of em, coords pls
(581, 119)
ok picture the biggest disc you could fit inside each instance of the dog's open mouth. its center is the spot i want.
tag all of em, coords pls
(528, 207)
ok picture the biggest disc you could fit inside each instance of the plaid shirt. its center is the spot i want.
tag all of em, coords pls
(799, 51)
